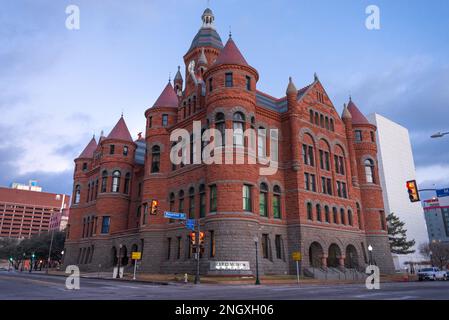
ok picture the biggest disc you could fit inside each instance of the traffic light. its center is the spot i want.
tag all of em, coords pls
(412, 189)
(193, 238)
(201, 238)
(154, 205)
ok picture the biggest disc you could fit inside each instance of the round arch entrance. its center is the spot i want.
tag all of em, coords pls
(352, 257)
(316, 255)
(334, 256)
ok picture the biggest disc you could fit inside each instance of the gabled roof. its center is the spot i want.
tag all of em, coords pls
(120, 131)
(230, 55)
(89, 150)
(357, 116)
(280, 105)
(168, 98)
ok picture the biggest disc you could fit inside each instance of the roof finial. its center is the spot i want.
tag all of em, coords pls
(350, 97)
(230, 32)
(101, 133)
(315, 76)
(169, 77)
(93, 136)
(122, 113)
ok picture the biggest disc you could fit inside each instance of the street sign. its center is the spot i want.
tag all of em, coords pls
(443, 193)
(136, 255)
(190, 224)
(296, 256)
(175, 215)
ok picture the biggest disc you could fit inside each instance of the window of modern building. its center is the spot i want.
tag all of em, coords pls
(265, 246)
(238, 128)
(309, 211)
(220, 126)
(111, 149)
(191, 203)
(127, 182)
(202, 191)
(165, 120)
(358, 135)
(213, 198)
(105, 224)
(278, 244)
(115, 181)
(277, 202)
(229, 80)
(155, 159)
(247, 198)
(125, 151)
(369, 171)
(263, 200)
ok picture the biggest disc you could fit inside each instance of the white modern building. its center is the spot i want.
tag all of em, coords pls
(396, 167)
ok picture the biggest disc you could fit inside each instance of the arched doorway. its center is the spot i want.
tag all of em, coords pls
(315, 255)
(334, 256)
(124, 256)
(352, 257)
(114, 258)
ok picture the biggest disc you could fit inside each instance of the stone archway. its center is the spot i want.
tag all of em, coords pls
(352, 257)
(316, 255)
(124, 256)
(114, 258)
(333, 258)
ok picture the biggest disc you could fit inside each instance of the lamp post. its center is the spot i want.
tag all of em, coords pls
(370, 251)
(256, 241)
(119, 258)
(51, 243)
(439, 135)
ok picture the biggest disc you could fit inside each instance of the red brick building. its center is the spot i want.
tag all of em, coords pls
(26, 213)
(324, 200)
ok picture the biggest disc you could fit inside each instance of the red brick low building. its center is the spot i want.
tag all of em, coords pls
(26, 213)
(325, 199)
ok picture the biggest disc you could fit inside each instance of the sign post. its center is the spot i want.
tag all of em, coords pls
(296, 256)
(136, 256)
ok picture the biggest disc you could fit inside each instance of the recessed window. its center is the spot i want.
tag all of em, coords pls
(105, 225)
(277, 202)
(127, 182)
(155, 159)
(248, 83)
(263, 199)
(229, 80)
(309, 211)
(111, 149)
(165, 120)
(104, 181)
(369, 171)
(125, 151)
(265, 246)
(278, 242)
(191, 203)
(84, 166)
(373, 137)
(238, 127)
(246, 193)
(115, 181)
(150, 122)
(213, 198)
(358, 136)
(77, 194)
(202, 201)
(220, 126)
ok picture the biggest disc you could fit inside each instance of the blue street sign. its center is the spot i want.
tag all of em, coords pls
(190, 224)
(443, 193)
(175, 215)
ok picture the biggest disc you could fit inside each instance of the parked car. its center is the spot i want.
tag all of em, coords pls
(432, 274)
(3, 269)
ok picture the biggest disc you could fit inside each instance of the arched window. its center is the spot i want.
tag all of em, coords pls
(88, 192)
(104, 181)
(309, 211)
(342, 216)
(220, 126)
(318, 212)
(238, 127)
(202, 190)
(127, 181)
(317, 119)
(335, 215)
(191, 203)
(181, 201)
(326, 122)
(277, 202)
(261, 142)
(77, 194)
(115, 181)
(155, 159)
(369, 171)
(311, 116)
(350, 222)
(332, 124)
(326, 214)
(172, 202)
(263, 197)
(359, 217)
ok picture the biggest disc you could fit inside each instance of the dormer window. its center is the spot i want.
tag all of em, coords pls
(229, 80)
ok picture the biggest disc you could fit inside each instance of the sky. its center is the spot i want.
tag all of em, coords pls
(58, 87)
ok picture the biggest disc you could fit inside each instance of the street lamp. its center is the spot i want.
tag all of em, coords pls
(439, 135)
(370, 251)
(51, 243)
(256, 241)
(119, 258)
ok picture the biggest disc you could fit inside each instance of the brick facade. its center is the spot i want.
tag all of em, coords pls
(347, 209)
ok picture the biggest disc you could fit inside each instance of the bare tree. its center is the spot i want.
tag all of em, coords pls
(437, 252)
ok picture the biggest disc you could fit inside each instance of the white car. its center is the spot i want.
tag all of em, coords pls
(432, 274)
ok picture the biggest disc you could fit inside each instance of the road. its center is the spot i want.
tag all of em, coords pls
(22, 286)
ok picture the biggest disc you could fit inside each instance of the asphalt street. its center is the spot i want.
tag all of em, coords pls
(24, 286)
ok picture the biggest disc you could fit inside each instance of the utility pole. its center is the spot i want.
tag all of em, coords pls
(51, 243)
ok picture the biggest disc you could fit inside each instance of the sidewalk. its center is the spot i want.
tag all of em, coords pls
(165, 279)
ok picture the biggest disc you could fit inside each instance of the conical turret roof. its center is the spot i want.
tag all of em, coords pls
(120, 131)
(357, 116)
(231, 55)
(168, 98)
(89, 150)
